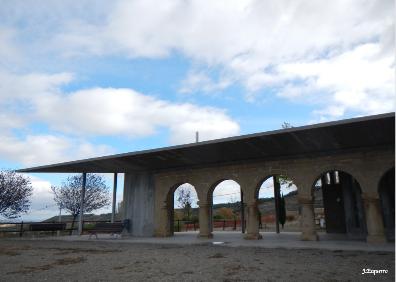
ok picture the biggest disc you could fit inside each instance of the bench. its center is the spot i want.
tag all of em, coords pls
(106, 227)
(11, 227)
(47, 227)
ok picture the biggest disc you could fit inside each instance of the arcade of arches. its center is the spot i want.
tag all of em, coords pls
(358, 194)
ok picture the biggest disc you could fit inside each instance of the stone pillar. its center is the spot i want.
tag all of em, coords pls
(374, 222)
(252, 222)
(204, 214)
(163, 229)
(308, 232)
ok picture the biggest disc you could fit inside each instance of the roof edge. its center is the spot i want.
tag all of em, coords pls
(219, 140)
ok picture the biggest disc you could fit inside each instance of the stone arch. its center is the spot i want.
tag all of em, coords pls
(384, 173)
(261, 180)
(267, 210)
(216, 182)
(210, 195)
(341, 200)
(170, 203)
(386, 191)
(351, 170)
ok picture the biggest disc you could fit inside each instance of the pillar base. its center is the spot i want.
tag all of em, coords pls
(376, 239)
(309, 237)
(162, 235)
(253, 237)
(205, 236)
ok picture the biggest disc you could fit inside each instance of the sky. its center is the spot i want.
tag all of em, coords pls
(89, 78)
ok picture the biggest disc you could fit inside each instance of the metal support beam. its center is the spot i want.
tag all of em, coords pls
(80, 222)
(277, 199)
(114, 198)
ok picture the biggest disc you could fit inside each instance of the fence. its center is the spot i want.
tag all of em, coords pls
(232, 225)
(19, 228)
(229, 224)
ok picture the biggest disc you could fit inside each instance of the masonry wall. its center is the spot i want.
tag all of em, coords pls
(366, 167)
(147, 196)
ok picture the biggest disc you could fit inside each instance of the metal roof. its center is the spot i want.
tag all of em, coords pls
(357, 134)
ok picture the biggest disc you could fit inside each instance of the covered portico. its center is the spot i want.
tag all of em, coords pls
(360, 147)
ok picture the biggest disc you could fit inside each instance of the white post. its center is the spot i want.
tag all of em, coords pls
(80, 222)
(197, 136)
(114, 198)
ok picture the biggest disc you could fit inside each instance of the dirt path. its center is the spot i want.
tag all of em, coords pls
(100, 261)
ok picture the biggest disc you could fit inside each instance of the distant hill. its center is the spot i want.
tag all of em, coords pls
(265, 205)
(87, 217)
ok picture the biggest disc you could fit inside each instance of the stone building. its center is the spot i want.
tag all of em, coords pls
(354, 159)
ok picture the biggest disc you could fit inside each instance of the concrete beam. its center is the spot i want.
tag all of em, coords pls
(81, 219)
(139, 203)
(114, 198)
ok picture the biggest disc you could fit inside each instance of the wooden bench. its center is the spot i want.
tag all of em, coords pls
(47, 227)
(106, 227)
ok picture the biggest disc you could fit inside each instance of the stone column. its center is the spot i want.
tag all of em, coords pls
(374, 222)
(252, 222)
(308, 232)
(163, 229)
(204, 213)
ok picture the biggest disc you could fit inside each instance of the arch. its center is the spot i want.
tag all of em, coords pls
(278, 201)
(386, 191)
(386, 173)
(216, 183)
(338, 205)
(174, 187)
(264, 179)
(322, 169)
(170, 200)
(230, 199)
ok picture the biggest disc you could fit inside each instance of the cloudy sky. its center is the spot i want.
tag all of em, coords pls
(89, 78)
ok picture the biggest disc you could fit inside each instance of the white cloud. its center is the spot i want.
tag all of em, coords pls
(92, 112)
(109, 111)
(227, 191)
(18, 94)
(202, 82)
(250, 41)
(27, 87)
(359, 80)
(9, 52)
(246, 35)
(254, 43)
(42, 201)
(32, 150)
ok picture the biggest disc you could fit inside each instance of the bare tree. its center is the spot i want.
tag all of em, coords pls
(68, 195)
(15, 190)
(286, 125)
(184, 198)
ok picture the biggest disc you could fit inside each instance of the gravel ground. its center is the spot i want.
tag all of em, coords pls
(42, 260)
